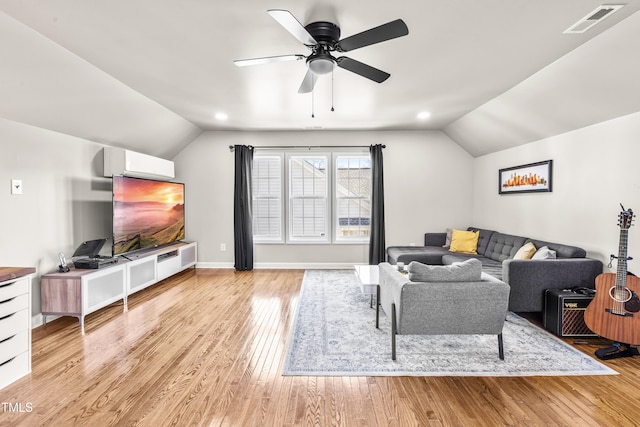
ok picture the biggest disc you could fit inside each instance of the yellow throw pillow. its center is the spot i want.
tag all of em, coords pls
(464, 242)
(525, 252)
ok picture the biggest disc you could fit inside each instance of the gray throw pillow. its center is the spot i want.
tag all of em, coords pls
(447, 242)
(544, 253)
(466, 271)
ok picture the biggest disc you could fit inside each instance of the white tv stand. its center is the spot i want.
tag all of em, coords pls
(80, 292)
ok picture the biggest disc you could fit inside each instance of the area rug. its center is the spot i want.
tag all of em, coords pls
(334, 334)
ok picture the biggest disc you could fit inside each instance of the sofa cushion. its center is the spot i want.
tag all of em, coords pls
(562, 251)
(483, 238)
(503, 246)
(465, 242)
(466, 271)
(526, 251)
(544, 253)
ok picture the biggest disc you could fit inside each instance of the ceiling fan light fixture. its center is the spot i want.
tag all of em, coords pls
(321, 64)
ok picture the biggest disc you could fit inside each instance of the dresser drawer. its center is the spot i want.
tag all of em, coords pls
(13, 346)
(14, 288)
(13, 323)
(14, 304)
(15, 368)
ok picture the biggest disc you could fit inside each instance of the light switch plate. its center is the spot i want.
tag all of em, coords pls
(16, 186)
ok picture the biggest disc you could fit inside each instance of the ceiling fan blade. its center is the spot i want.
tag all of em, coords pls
(267, 60)
(308, 83)
(291, 24)
(384, 32)
(362, 69)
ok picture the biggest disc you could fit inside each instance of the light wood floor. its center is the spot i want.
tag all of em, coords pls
(207, 348)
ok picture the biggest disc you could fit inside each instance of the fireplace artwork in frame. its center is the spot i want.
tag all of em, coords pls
(530, 178)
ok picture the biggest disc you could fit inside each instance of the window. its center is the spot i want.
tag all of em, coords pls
(267, 199)
(352, 213)
(328, 198)
(308, 201)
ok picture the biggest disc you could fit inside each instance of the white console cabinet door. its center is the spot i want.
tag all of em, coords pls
(141, 273)
(103, 287)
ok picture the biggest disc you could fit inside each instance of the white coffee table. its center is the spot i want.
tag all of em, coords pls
(368, 276)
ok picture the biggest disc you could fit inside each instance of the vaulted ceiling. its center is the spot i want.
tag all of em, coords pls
(151, 75)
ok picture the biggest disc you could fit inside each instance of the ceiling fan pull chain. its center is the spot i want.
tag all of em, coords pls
(312, 101)
(332, 91)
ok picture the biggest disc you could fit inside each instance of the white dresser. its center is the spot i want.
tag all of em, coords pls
(15, 323)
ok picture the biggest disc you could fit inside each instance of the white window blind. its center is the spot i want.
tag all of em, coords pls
(308, 201)
(267, 199)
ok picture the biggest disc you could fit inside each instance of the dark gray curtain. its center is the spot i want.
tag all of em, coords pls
(376, 240)
(242, 216)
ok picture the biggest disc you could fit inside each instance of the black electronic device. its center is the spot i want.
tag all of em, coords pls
(94, 263)
(86, 256)
(564, 312)
(90, 248)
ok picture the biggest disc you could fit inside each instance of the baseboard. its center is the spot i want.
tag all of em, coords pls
(37, 320)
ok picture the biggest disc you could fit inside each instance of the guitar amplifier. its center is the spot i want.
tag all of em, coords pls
(564, 313)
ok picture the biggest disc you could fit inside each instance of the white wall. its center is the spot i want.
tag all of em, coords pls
(428, 187)
(595, 169)
(64, 200)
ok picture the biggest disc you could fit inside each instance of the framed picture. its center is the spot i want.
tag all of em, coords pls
(531, 178)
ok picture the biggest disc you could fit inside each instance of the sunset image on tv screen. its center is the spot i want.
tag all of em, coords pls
(146, 213)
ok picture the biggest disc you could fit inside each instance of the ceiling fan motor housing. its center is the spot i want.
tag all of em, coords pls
(327, 35)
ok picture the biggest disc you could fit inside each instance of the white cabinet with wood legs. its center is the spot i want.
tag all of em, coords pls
(80, 292)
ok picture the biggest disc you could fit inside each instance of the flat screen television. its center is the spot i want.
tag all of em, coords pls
(146, 213)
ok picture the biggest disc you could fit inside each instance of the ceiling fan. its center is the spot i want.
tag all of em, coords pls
(323, 38)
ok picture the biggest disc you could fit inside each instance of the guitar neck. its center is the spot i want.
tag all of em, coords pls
(621, 275)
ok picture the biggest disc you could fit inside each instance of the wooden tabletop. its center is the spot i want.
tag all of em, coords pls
(8, 273)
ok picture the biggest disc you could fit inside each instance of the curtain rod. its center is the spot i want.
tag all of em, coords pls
(284, 147)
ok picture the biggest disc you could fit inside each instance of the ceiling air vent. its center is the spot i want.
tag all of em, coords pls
(593, 18)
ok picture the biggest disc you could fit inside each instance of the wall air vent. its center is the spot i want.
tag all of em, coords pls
(593, 18)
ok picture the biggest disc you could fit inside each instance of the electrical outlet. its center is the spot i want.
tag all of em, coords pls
(223, 247)
(16, 186)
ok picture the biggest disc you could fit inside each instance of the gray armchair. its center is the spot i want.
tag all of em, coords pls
(442, 308)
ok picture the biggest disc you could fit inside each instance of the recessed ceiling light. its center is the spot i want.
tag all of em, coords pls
(423, 115)
(221, 116)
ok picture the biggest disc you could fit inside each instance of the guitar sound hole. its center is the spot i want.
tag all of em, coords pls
(620, 294)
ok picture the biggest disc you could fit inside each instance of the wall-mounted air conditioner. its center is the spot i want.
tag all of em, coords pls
(118, 161)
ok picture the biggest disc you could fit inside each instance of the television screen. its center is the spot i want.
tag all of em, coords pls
(146, 213)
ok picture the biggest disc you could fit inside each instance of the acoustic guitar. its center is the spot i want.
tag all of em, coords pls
(613, 313)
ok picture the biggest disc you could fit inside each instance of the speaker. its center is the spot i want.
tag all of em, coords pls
(564, 313)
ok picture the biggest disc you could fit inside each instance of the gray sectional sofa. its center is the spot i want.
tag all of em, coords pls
(528, 279)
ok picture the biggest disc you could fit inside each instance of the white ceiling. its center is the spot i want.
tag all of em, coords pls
(150, 75)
